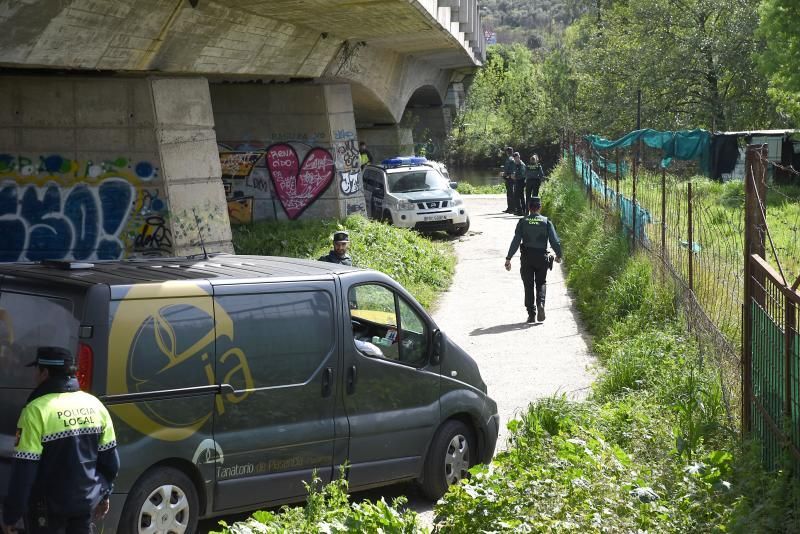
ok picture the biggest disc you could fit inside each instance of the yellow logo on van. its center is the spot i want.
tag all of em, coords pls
(164, 336)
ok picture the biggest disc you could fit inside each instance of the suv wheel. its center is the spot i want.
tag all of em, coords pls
(163, 500)
(387, 217)
(461, 230)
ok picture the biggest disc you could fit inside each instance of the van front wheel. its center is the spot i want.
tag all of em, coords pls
(163, 500)
(451, 454)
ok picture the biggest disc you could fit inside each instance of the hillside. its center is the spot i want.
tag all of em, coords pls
(530, 22)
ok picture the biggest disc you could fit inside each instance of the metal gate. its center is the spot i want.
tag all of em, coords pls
(771, 346)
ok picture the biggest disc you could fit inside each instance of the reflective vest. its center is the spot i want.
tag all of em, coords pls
(534, 232)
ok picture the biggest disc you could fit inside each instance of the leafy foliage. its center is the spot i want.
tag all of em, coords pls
(328, 509)
(422, 266)
(781, 57)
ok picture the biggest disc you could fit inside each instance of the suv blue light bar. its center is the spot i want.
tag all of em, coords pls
(403, 161)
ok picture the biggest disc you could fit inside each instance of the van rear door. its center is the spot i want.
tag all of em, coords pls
(27, 321)
(277, 363)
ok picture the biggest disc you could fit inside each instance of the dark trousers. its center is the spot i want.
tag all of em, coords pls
(533, 270)
(509, 194)
(58, 524)
(532, 186)
(519, 197)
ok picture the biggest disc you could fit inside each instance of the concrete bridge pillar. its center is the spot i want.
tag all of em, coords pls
(287, 150)
(388, 141)
(106, 168)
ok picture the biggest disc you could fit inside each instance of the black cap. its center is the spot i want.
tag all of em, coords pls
(341, 236)
(52, 357)
(535, 202)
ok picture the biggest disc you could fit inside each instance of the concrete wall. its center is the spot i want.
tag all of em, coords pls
(86, 166)
(388, 141)
(287, 150)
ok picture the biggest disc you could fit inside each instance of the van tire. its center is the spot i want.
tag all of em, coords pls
(150, 492)
(387, 217)
(452, 452)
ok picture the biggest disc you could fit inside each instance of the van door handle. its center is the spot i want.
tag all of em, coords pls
(327, 376)
(352, 375)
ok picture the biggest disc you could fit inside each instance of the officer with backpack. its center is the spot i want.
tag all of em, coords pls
(531, 236)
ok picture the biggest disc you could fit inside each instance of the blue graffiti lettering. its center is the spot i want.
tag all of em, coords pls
(87, 225)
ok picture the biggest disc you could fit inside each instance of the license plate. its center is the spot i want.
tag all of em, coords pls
(435, 217)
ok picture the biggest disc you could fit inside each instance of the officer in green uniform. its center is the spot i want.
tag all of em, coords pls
(65, 457)
(364, 155)
(534, 178)
(532, 233)
(341, 242)
(520, 170)
(508, 179)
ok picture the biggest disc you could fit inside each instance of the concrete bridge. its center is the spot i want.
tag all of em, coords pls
(138, 127)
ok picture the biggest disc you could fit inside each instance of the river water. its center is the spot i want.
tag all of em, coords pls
(474, 176)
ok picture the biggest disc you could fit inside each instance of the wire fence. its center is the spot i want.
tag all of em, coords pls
(741, 310)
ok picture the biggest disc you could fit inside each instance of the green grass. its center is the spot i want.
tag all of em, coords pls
(469, 189)
(423, 266)
(650, 450)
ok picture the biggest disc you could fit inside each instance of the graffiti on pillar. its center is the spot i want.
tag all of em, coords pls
(53, 207)
(347, 161)
(299, 184)
(237, 174)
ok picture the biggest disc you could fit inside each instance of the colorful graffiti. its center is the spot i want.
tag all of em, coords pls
(258, 178)
(298, 185)
(52, 207)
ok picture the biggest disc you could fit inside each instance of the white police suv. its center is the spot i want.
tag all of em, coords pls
(413, 192)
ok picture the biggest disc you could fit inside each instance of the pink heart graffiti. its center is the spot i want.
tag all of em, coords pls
(298, 186)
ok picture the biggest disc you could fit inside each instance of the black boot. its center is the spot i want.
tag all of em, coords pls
(540, 312)
(531, 317)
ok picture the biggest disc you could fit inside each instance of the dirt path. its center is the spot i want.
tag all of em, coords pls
(484, 313)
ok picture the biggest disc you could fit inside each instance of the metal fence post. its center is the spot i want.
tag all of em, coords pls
(616, 196)
(753, 244)
(633, 208)
(663, 214)
(691, 237)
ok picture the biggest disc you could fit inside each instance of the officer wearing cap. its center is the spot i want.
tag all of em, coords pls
(532, 233)
(341, 241)
(65, 457)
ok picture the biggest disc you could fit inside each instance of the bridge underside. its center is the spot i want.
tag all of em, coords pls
(147, 127)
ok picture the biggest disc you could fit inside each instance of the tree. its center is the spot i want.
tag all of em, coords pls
(780, 29)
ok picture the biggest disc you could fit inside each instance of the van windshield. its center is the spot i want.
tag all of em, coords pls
(28, 322)
(423, 180)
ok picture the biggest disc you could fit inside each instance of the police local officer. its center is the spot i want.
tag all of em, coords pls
(65, 458)
(533, 232)
(341, 241)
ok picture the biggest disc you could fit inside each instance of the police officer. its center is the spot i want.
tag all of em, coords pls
(364, 155)
(533, 232)
(341, 242)
(508, 179)
(520, 170)
(65, 459)
(534, 178)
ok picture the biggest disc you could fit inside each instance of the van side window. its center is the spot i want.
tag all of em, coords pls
(285, 337)
(28, 322)
(374, 312)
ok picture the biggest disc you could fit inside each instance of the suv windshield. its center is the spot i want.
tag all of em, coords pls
(420, 180)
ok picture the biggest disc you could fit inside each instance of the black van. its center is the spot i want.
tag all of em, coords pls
(231, 378)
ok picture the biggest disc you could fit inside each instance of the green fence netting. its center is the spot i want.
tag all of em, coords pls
(684, 144)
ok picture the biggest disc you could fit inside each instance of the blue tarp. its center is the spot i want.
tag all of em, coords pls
(684, 144)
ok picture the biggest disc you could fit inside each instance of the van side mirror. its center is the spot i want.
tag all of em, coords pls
(438, 348)
(453, 185)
